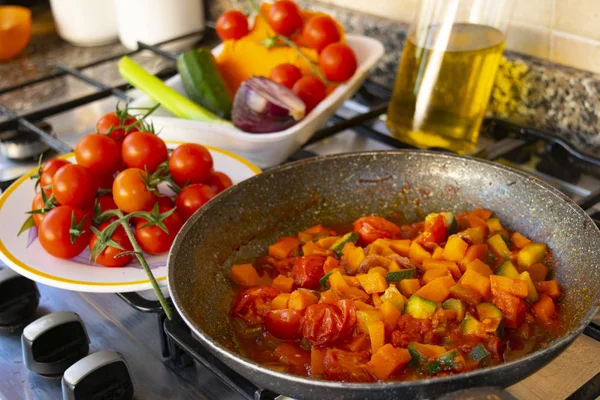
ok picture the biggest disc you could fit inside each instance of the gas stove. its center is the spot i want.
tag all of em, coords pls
(164, 359)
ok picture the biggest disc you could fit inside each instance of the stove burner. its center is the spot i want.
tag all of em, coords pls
(21, 143)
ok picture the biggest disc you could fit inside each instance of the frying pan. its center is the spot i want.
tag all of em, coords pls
(239, 224)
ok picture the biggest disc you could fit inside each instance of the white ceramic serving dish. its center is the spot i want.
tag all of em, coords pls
(25, 255)
(267, 149)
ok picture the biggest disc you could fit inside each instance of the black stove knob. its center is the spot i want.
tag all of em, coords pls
(99, 376)
(19, 298)
(53, 343)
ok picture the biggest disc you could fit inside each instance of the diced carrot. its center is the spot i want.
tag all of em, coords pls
(481, 213)
(480, 267)
(409, 286)
(359, 343)
(372, 282)
(283, 283)
(475, 221)
(312, 249)
(465, 294)
(284, 247)
(331, 263)
(514, 286)
(476, 251)
(430, 264)
(245, 275)
(280, 302)
(318, 230)
(292, 354)
(476, 281)
(519, 240)
(550, 288)
(455, 248)
(300, 299)
(437, 290)
(537, 272)
(377, 335)
(434, 273)
(387, 360)
(316, 361)
(401, 247)
(327, 242)
(512, 307)
(438, 253)
(390, 315)
(417, 253)
(544, 309)
(328, 297)
(352, 281)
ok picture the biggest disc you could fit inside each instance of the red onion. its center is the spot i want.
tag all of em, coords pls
(262, 106)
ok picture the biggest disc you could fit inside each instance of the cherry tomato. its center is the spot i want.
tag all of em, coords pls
(373, 228)
(164, 202)
(324, 324)
(191, 198)
(54, 232)
(232, 24)
(436, 233)
(105, 181)
(252, 304)
(48, 170)
(130, 192)
(119, 127)
(284, 17)
(284, 324)
(108, 257)
(338, 62)
(99, 154)
(286, 74)
(106, 202)
(144, 150)
(219, 181)
(74, 185)
(311, 91)
(38, 204)
(152, 239)
(346, 366)
(320, 31)
(191, 163)
(307, 271)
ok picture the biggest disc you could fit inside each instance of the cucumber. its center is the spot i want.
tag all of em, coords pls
(203, 82)
(399, 275)
(445, 362)
(418, 307)
(470, 326)
(479, 353)
(493, 318)
(338, 246)
(456, 305)
(323, 281)
(392, 295)
(508, 270)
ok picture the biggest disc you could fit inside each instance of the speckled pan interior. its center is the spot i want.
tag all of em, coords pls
(239, 224)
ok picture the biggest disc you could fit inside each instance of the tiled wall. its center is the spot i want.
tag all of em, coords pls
(565, 31)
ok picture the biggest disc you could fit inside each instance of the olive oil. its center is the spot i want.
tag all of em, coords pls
(443, 85)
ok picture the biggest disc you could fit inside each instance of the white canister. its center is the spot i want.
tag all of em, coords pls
(85, 22)
(154, 21)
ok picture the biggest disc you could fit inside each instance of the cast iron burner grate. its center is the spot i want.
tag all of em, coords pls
(512, 142)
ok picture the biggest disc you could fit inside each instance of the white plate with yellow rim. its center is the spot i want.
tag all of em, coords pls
(25, 255)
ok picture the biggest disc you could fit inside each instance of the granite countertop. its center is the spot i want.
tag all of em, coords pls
(554, 97)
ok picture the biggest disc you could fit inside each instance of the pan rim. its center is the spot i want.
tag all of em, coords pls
(216, 348)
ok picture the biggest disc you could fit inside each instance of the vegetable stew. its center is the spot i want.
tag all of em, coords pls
(446, 295)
